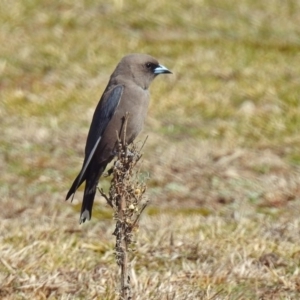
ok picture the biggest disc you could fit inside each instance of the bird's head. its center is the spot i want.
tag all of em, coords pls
(141, 68)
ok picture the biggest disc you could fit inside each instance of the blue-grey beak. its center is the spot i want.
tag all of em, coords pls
(161, 70)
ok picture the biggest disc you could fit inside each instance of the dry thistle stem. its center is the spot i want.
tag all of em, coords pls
(126, 197)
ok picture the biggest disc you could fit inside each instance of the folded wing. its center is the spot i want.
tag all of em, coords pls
(104, 112)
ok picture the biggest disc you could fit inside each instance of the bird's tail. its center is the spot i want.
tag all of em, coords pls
(89, 194)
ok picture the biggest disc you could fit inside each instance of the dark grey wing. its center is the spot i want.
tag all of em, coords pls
(102, 116)
(104, 112)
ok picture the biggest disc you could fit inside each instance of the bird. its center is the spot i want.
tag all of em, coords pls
(127, 92)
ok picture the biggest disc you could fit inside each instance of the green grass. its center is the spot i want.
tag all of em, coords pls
(222, 155)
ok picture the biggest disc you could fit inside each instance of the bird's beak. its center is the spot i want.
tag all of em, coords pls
(161, 70)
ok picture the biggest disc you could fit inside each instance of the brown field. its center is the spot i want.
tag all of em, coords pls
(222, 157)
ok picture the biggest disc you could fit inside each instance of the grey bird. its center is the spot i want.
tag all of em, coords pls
(126, 92)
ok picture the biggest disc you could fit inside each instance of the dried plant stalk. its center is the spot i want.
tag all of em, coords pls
(126, 197)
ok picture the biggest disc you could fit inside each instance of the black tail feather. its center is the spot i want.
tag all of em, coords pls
(90, 192)
(87, 203)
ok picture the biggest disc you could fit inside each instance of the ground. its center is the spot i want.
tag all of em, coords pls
(222, 158)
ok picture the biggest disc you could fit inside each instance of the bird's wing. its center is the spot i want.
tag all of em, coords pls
(104, 112)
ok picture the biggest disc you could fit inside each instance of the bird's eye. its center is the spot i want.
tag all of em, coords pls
(148, 65)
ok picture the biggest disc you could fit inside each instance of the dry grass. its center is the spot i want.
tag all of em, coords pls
(222, 155)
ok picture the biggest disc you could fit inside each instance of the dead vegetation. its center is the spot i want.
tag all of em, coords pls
(126, 198)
